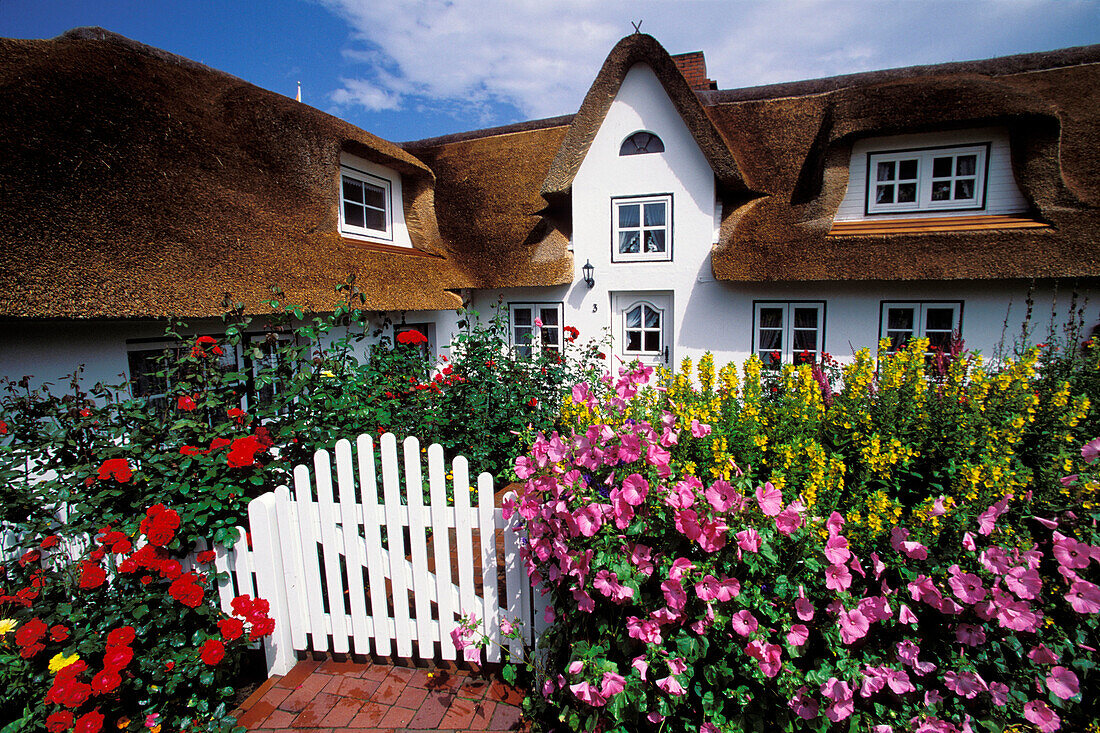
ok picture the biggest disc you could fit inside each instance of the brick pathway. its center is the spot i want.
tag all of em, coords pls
(324, 697)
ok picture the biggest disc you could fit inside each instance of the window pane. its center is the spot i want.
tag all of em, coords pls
(771, 318)
(633, 340)
(634, 317)
(899, 319)
(804, 340)
(374, 196)
(940, 319)
(964, 189)
(907, 193)
(549, 316)
(628, 242)
(353, 215)
(805, 317)
(939, 341)
(375, 219)
(941, 167)
(884, 195)
(353, 190)
(549, 337)
(941, 191)
(885, 172)
(628, 215)
(652, 340)
(521, 316)
(897, 340)
(655, 241)
(907, 170)
(770, 339)
(965, 165)
(655, 215)
(652, 318)
(804, 356)
(523, 335)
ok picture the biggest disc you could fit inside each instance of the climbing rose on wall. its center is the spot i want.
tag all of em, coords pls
(116, 468)
(411, 336)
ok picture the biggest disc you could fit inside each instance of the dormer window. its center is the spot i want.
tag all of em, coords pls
(933, 179)
(641, 142)
(365, 204)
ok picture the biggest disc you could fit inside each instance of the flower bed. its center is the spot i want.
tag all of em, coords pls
(904, 554)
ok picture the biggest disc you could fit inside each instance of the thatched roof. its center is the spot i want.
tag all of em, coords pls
(780, 154)
(140, 184)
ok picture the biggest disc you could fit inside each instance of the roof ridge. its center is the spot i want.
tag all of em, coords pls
(525, 126)
(97, 33)
(997, 66)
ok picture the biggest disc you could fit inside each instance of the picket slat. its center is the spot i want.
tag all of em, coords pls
(391, 487)
(294, 587)
(307, 522)
(420, 582)
(465, 521)
(345, 488)
(441, 543)
(334, 579)
(382, 626)
(487, 526)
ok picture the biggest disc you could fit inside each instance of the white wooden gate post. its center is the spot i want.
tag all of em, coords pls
(268, 558)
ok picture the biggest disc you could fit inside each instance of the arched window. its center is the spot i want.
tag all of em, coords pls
(642, 329)
(641, 142)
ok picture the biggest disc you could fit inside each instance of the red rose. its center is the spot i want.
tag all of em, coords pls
(185, 403)
(213, 651)
(171, 569)
(231, 628)
(59, 722)
(116, 468)
(122, 636)
(190, 450)
(92, 576)
(59, 633)
(48, 542)
(261, 627)
(146, 579)
(29, 557)
(204, 340)
(122, 547)
(30, 632)
(206, 556)
(242, 453)
(160, 524)
(97, 554)
(411, 336)
(105, 681)
(117, 657)
(30, 650)
(169, 666)
(186, 591)
(76, 694)
(237, 414)
(533, 402)
(242, 605)
(218, 444)
(89, 722)
(3, 428)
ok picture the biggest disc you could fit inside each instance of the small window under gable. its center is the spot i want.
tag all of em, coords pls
(641, 142)
(366, 204)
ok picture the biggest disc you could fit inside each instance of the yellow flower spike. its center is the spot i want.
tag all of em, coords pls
(60, 662)
(7, 625)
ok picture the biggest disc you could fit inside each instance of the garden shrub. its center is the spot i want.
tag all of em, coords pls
(908, 548)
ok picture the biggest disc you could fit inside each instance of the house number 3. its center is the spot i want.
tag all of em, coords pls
(595, 307)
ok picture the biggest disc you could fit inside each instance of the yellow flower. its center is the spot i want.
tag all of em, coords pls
(7, 625)
(155, 728)
(60, 662)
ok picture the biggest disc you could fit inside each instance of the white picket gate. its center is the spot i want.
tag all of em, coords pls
(335, 582)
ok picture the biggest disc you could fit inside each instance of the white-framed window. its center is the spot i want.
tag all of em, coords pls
(153, 363)
(524, 332)
(641, 228)
(365, 204)
(788, 332)
(642, 142)
(425, 342)
(938, 321)
(643, 329)
(930, 179)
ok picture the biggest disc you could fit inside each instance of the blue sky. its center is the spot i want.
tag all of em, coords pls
(407, 70)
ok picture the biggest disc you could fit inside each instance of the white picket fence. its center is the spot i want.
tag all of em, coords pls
(348, 572)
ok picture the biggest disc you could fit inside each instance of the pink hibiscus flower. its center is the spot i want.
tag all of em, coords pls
(853, 626)
(722, 496)
(837, 578)
(836, 549)
(634, 489)
(1046, 719)
(770, 499)
(744, 623)
(749, 540)
(798, 635)
(1063, 683)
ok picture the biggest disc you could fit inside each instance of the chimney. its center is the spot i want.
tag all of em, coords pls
(694, 68)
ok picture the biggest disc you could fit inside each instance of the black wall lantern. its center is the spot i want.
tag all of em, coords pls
(588, 270)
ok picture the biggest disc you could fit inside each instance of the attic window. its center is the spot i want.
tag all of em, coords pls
(934, 179)
(365, 208)
(641, 142)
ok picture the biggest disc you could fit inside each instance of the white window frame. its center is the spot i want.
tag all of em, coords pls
(925, 180)
(654, 141)
(662, 314)
(367, 179)
(787, 353)
(641, 201)
(549, 337)
(920, 310)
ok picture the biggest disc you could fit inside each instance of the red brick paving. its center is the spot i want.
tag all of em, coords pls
(332, 696)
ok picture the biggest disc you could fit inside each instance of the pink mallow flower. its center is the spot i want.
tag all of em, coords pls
(671, 685)
(722, 496)
(749, 540)
(587, 693)
(967, 587)
(1090, 451)
(612, 684)
(970, 635)
(770, 499)
(837, 578)
(634, 489)
(798, 635)
(841, 694)
(1063, 683)
(768, 656)
(853, 626)
(803, 705)
(1024, 582)
(1042, 716)
(1071, 553)
(1042, 655)
(836, 549)
(744, 623)
(645, 631)
(788, 521)
(963, 684)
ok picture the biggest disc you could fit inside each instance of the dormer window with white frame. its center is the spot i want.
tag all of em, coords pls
(366, 204)
(931, 179)
(641, 228)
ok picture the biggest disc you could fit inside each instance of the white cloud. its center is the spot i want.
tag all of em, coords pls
(467, 57)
